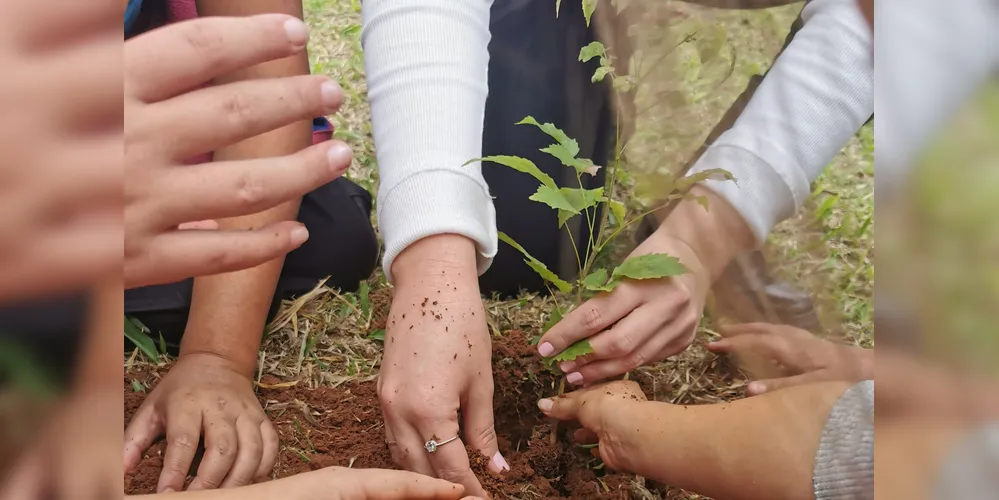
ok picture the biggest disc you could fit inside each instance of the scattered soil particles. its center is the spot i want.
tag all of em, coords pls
(343, 426)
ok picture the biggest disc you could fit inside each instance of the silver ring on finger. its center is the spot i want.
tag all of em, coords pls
(432, 445)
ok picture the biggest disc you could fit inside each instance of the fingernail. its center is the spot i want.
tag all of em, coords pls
(168, 490)
(299, 235)
(575, 378)
(498, 464)
(756, 388)
(567, 367)
(545, 405)
(332, 95)
(297, 31)
(339, 156)
(546, 349)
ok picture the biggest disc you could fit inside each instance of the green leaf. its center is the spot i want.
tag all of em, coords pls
(702, 200)
(711, 174)
(595, 280)
(581, 199)
(553, 320)
(521, 165)
(554, 199)
(588, 7)
(558, 6)
(378, 334)
(538, 266)
(591, 50)
(569, 143)
(649, 266)
(710, 43)
(362, 292)
(574, 351)
(617, 208)
(163, 346)
(563, 154)
(140, 339)
(564, 216)
(137, 386)
(600, 73)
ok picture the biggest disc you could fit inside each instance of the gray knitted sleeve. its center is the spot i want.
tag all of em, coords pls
(844, 463)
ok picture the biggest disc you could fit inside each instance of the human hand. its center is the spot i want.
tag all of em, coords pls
(806, 357)
(339, 483)
(603, 412)
(60, 134)
(437, 362)
(204, 394)
(75, 456)
(168, 122)
(639, 322)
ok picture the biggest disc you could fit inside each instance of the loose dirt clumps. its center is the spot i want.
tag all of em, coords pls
(343, 426)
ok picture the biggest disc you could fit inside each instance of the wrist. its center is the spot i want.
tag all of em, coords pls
(438, 261)
(716, 234)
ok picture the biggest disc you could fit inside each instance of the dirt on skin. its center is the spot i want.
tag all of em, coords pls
(343, 427)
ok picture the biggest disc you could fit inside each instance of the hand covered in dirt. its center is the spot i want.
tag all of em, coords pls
(168, 123)
(438, 362)
(60, 134)
(639, 322)
(204, 394)
(805, 357)
(603, 411)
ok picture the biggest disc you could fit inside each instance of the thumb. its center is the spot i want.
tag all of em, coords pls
(139, 436)
(758, 387)
(480, 432)
(565, 407)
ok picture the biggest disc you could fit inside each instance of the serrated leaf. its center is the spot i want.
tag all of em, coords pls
(555, 199)
(140, 339)
(553, 319)
(581, 348)
(649, 266)
(561, 137)
(617, 208)
(589, 6)
(710, 43)
(581, 199)
(563, 155)
(591, 50)
(521, 165)
(600, 73)
(378, 334)
(538, 266)
(564, 216)
(595, 279)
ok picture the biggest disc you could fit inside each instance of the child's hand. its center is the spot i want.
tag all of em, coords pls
(601, 411)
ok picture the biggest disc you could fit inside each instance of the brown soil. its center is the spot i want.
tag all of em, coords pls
(343, 427)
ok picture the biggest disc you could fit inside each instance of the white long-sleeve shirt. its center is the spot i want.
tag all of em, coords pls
(427, 63)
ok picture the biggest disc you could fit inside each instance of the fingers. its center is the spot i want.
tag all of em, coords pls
(168, 61)
(221, 448)
(408, 450)
(249, 451)
(565, 407)
(43, 24)
(771, 346)
(450, 463)
(630, 343)
(28, 480)
(178, 255)
(271, 447)
(183, 434)
(391, 485)
(758, 387)
(479, 431)
(140, 434)
(593, 316)
(230, 113)
(219, 190)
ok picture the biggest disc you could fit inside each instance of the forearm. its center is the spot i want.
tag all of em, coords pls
(229, 311)
(816, 96)
(759, 447)
(99, 365)
(426, 63)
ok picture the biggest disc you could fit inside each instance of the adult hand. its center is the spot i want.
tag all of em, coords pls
(167, 122)
(437, 362)
(60, 134)
(602, 411)
(339, 483)
(204, 394)
(639, 322)
(806, 357)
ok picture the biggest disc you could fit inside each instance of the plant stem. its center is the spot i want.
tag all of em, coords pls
(561, 391)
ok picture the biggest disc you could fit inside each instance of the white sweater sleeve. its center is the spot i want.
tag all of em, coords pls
(816, 96)
(426, 64)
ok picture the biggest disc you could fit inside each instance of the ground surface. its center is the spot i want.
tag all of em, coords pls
(318, 354)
